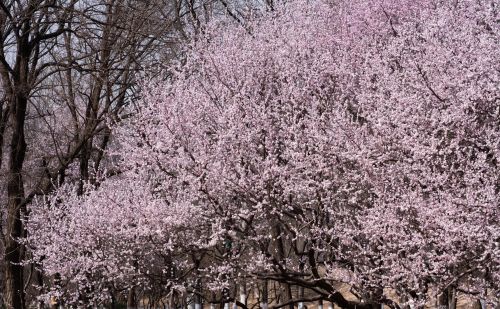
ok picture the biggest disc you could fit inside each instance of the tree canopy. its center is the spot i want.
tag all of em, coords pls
(321, 142)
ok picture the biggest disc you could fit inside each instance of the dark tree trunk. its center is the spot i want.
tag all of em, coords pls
(14, 274)
(452, 298)
(280, 252)
(131, 299)
(264, 302)
(442, 301)
(84, 166)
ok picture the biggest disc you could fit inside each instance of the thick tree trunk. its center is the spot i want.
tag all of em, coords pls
(84, 165)
(442, 301)
(14, 295)
(131, 299)
(280, 252)
(14, 274)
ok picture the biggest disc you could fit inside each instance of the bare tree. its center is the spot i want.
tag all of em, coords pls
(27, 30)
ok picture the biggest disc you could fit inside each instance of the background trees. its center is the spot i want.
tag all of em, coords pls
(27, 30)
(352, 142)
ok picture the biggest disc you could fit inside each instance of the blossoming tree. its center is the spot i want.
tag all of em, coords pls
(326, 142)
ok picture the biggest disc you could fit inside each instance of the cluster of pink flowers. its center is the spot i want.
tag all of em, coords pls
(354, 141)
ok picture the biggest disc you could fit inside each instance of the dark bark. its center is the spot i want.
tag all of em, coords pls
(280, 252)
(84, 165)
(131, 299)
(264, 301)
(14, 273)
(442, 301)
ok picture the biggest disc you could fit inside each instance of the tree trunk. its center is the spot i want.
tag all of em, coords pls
(14, 274)
(442, 301)
(452, 298)
(280, 252)
(131, 299)
(39, 282)
(213, 299)
(264, 302)
(84, 166)
(243, 293)
(198, 299)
